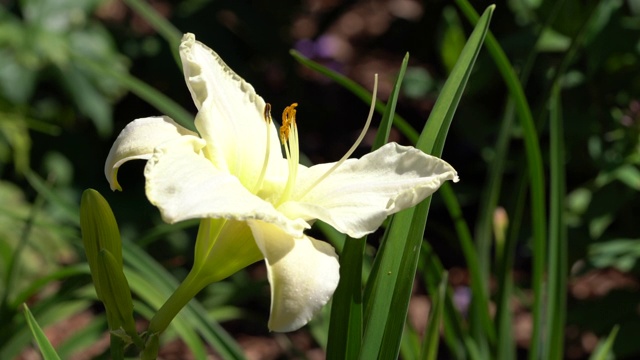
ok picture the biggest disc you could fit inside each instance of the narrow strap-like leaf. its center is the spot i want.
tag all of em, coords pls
(432, 333)
(47, 350)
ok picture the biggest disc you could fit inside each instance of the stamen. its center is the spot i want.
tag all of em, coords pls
(265, 162)
(288, 119)
(289, 138)
(355, 145)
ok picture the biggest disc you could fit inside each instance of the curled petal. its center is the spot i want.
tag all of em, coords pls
(137, 141)
(357, 197)
(184, 184)
(231, 116)
(303, 273)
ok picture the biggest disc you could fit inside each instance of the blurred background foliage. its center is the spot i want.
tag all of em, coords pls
(70, 80)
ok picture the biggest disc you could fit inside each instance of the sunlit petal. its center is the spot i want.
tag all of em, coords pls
(231, 115)
(303, 273)
(361, 193)
(137, 141)
(183, 184)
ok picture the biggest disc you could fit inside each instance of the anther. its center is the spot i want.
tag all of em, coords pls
(288, 120)
(267, 113)
(265, 162)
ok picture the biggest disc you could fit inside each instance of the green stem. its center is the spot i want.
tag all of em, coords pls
(187, 290)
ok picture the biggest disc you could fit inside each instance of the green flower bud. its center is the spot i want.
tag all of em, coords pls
(103, 247)
(99, 231)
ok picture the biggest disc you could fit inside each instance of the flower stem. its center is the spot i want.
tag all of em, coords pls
(187, 290)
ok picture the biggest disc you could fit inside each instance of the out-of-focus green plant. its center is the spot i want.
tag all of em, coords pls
(39, 76)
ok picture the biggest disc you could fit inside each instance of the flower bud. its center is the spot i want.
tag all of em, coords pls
(103, 247)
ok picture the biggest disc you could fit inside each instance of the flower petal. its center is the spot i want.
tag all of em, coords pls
(303, 273)
(357, 197)
(137, 141)
(231, 115)
(183, 184)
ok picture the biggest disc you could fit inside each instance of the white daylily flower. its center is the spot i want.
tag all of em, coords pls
(234, 170)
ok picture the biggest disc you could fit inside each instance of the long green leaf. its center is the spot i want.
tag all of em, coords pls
(432, 333)
(390, 109)
(558, 268)
(535, 172)
(480, 318)
(455, 334)
(345, 327)
(47, 350)
(604, 350)
(386, 308)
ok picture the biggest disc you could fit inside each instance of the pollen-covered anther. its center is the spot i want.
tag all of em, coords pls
(288, 121)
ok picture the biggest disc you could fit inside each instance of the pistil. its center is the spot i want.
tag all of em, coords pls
(354, 146)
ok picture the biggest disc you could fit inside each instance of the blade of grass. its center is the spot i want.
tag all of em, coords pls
(48, 310)
(431, 338)
(536, 177)
(386, 309)
(47, 350)
(14, 262)
(479, 307)
(558, 268)
(410, 344)
(454, 332)
(7, 311)
(505, 347)
(604, 350)
(390, 109)
(345, 327)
